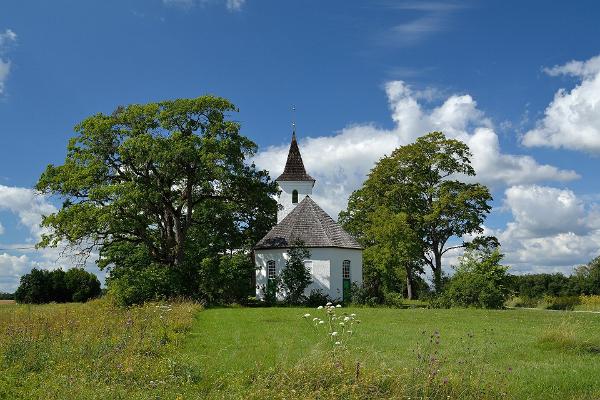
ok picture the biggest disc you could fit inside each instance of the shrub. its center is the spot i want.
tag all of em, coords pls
(479, 281)
(295, 276)
(559, 302)
(129, 287)
(393, 299)
(362, 295)
(526, 302)
(317, 298)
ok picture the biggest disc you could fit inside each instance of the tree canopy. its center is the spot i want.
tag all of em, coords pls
(422, 181)
(164, 183)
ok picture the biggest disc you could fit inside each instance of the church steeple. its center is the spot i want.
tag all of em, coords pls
(294, 167)
(294, 182)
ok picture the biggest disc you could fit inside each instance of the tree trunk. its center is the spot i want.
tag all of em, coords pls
(437, 271)
(409, 289)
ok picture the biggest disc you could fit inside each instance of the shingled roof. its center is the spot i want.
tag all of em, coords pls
(294, 167)
(310, 224)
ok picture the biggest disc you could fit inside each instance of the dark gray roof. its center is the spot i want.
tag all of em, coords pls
(310, 224)
(294, 167)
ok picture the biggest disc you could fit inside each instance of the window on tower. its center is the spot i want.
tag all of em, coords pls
(271, 271)
(294, 196)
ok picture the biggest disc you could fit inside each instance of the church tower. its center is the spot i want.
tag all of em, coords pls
(294, 182)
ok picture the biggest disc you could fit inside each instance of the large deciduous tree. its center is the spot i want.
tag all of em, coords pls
(422, 181)
(163, 183)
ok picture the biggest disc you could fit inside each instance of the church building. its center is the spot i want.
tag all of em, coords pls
(335, 256)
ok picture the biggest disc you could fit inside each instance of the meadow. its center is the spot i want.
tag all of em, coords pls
(179, 351)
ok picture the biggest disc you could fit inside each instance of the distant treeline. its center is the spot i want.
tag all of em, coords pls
(43, 286)
(7, 296)
(585, 280)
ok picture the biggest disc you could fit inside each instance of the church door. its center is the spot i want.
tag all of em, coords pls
(346, 280)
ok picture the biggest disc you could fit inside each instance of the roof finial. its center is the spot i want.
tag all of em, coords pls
(293, 120)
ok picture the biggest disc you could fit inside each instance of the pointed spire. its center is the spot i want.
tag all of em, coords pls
(294, 167)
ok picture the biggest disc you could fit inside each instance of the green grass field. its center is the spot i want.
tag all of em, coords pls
(537, 353)
(97, 351)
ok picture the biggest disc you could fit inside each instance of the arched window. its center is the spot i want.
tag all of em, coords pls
(294, 196)
(346, 269)
(271, 271)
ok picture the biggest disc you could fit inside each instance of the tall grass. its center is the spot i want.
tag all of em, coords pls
(92, 351)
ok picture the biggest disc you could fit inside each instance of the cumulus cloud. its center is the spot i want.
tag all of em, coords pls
(572, 119)
(552, 229)
(231, 5)
(353, 151)
(28, 205)
(6, 40)
(19, 258)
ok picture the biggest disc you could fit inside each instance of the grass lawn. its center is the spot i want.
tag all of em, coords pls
(538, 354)
(178, 351)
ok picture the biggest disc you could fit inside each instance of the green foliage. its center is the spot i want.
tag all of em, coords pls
(43, 286)
(226, 279)
(587, 278)
(479, 281)
(295, 276)
(316, 298)
(160, 185)
(415, 184)
(134, 286)
(7, 296)
(559, 302)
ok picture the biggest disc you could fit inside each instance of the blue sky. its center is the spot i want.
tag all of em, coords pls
(365, 77)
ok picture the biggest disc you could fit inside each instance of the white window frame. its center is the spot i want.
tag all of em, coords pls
(271, 269)
(346, 269)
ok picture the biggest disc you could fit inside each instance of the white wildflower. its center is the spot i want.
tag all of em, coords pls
(315, 319)
(334, 333)
(346, 319)
(306, 315)
(338, 306)
(338, 343)
(353, 315)
(321, 322)
(328, 304)
(320, 308)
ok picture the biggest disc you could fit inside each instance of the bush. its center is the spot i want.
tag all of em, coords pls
(43, 286)
(295, 276)
(525, 302)
(479, 281)
(362, 295)
(317, 298)
(136, 286)
(559, 302)
(393, 299)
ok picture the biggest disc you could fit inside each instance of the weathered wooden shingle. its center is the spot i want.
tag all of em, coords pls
(310, 224)
(294, 166)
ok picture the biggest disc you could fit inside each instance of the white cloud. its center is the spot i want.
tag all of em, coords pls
(231, 5)
(432, 17)
(20, 258)
(235, 5)
(6, 40)
(28, 205)
(341, 162)
(11, 269)
(552, 229)
(572, 119)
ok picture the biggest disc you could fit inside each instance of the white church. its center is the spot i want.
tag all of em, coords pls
(335, 256)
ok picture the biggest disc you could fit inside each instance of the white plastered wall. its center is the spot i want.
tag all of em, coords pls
(304, 189)
(326, 268)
